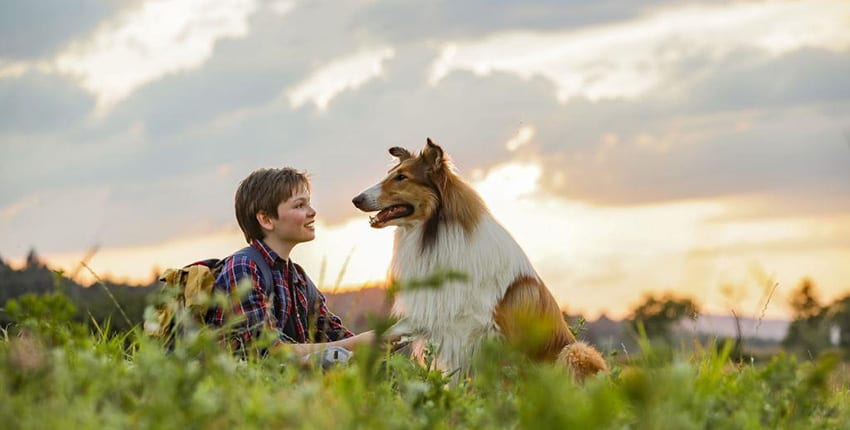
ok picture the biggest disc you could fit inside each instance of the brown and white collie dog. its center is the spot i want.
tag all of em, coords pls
(443, 224)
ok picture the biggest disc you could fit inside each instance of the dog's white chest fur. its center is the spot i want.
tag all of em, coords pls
(457, 316)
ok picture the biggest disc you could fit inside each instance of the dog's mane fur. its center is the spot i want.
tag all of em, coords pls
(457, 204)
(456, 231)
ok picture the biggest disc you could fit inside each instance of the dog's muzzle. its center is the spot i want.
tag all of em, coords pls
(361, 202)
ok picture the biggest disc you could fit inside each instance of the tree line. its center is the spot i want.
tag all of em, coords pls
(815, 326)
(107, 303)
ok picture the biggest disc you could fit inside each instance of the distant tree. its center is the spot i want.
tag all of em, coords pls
(92, 304)
(659, 314)
(804, 302)
(809, 329)
(33, 260)
(839, 316)
(4, 267)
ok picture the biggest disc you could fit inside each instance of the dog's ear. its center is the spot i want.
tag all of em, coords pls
(401, 153)
(433, 155)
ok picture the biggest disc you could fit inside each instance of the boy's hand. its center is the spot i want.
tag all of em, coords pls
(328, 357)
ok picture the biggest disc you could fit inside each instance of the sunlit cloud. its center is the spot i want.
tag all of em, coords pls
(344, 255)
(523, 137)
(630, 58)
(282, 7)
(13, 69)
(588, 255)
(758, 148)
(147, 43)
(347, 255)
(7, 213)
(224, 170)
(347, 73)
(139, 264)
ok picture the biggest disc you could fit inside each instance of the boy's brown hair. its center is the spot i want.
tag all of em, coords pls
(262, 191)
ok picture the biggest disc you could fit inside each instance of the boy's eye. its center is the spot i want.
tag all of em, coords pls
(400, 177)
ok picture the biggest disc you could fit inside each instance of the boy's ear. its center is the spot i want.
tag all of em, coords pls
(265, 221)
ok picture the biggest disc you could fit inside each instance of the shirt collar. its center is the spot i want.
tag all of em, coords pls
(269, 254)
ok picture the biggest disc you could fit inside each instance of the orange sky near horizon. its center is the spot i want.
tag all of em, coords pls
(700, 148)
(595, 259)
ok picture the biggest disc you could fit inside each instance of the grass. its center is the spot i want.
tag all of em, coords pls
(56, 373)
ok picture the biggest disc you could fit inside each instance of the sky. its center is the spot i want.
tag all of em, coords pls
(630, 147)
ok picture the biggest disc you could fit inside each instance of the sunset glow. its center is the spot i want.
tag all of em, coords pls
(585, 253)
(631, 148)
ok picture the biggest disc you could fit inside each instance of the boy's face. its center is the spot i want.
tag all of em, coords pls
(295, 218)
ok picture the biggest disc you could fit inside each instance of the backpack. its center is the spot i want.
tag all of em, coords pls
(183, 300)
(184, 297)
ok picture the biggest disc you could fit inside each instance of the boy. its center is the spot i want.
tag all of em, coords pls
(273, 210)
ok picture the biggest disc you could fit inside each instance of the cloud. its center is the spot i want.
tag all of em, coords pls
(82, 158)
(251, 74)
(778, 152)
(743, 121)
(54, 221)
(586, 253)
(447, 19)
(35, 29)
(804, 77)
(631, 58)
(522, 138)
(119, 211)
(144, 44)
(40, 103)
(348, 73)
(11, 211)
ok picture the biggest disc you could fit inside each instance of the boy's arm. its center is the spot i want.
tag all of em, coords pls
(252, 306)
(328, 327)
(327, 323)
(350, 343)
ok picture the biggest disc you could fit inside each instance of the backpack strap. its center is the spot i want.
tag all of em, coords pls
(265, 270)
(312, 292)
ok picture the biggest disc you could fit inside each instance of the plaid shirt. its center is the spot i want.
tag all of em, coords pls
(284, 309)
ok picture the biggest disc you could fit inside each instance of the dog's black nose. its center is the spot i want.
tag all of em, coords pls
(358, 200)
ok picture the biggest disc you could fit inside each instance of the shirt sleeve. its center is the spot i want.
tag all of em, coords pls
(251, 305)
(329, 327)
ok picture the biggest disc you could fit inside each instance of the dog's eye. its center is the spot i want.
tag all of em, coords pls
(400, 177)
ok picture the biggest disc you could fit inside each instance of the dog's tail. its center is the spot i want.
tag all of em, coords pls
(582, 359)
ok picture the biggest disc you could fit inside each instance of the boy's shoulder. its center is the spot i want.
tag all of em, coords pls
(238, 265)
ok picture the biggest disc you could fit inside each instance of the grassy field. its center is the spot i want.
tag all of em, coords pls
(59, 374)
